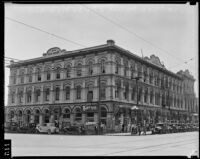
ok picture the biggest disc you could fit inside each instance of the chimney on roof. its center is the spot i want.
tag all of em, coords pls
(110, 42)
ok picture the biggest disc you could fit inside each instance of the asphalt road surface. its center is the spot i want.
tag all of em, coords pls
(181, 144)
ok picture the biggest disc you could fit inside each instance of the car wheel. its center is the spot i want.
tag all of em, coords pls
(49, 131)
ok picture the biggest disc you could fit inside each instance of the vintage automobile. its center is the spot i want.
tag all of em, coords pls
(160, 128)
(10, 127)
(47, 128)
(31, 128)
(72, 130)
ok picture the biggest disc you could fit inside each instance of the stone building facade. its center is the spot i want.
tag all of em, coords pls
(63, 86)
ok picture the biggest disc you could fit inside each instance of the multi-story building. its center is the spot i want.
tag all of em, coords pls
(74, 86)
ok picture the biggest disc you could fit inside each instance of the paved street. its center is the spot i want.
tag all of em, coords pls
(181, 144)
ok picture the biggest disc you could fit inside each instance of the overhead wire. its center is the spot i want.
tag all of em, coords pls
(124, 28)
(41, 30)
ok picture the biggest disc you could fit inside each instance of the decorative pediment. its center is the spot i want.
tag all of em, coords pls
(54, 51)
(186, 73)
(155, 60)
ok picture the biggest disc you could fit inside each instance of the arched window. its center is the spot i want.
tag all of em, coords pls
(90, 69)
(67, 89)
(118, 87)
(46, 116)
(66, 114)
(38, 74)
(47, 93)
(79, 69)
(103, 91)
(103, 115)
(57, 93)
(19, 117)
(132, 71)
(78, 92)
(78, 114)
(103, 69)
(37, 95)
(68, 71)
(48, 75)
(20, 96)
(133, 93)
(22, 77)
(140, 94)
(29, 96)
(90, 93)
(151, 97)
(30, 72)
(14, 77)
(11, 115)
(145, 95)
(125, 68)
(126, 92)
(117, 67)
(58, 73)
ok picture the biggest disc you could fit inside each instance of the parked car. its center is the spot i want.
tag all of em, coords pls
(31, 128)
(10, 127)
(72, 130)
(47, 128)
(160, 128)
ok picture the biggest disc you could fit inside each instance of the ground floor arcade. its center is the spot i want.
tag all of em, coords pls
(113, 114)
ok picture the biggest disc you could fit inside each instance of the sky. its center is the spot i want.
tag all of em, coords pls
(169, 31)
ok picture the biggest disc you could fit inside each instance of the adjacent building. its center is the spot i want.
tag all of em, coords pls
(74, 86)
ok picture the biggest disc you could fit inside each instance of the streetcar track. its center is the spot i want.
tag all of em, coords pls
(147, 147)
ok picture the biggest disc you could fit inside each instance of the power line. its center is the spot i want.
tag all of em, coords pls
(36, 28)
(186, 62)
(124, 28)
(11, 58)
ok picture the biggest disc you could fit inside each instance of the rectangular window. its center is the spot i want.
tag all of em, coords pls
(30, 78)
(47, 95)
(90, 96)
(13, 98)
(22, 79)
(48, 76)
(67, 93)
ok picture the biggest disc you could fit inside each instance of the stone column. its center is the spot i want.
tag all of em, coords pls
(72, 118)
(52, 120)
(41, 119)
(83, 118)
(160, 100)
(32, 119)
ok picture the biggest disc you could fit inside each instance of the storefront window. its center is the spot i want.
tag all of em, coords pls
(66, 114)
(78, 114)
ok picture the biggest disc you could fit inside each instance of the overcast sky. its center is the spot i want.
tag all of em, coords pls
(171, 29)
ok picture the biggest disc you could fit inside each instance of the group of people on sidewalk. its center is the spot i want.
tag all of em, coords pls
(136, 128)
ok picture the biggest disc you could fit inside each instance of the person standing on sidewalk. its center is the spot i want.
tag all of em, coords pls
(144, 127)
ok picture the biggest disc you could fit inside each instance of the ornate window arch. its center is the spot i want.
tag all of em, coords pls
(78, 114)
(66, 113)
(67, 92)
(78, 92)
(79, 69)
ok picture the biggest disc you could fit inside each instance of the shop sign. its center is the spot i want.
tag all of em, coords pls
(89, 108)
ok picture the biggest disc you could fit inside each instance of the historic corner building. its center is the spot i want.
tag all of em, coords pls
(63, 86)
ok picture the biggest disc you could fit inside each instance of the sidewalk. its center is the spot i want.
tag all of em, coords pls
(127, 134)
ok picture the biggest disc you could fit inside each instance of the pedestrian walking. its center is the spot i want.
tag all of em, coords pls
(139, 129)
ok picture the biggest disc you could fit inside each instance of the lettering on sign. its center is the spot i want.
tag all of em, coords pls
(89, 108)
